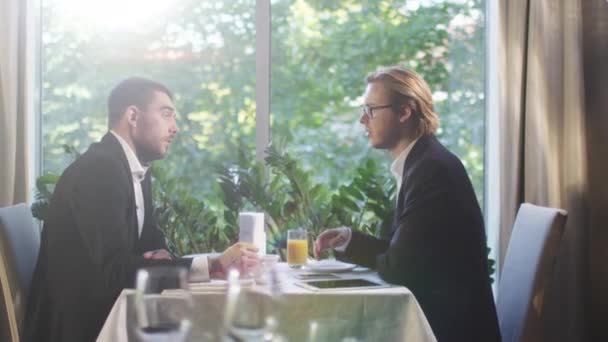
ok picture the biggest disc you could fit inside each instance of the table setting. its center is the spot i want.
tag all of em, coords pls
(299, 299)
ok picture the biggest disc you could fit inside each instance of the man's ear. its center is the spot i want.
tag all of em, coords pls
(132, 112)
(405, 112)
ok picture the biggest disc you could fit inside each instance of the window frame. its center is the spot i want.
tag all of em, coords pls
(492, 160)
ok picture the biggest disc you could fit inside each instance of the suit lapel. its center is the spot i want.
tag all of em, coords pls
(110, 143)
(415, 154)
(412, 159)
(146, 187)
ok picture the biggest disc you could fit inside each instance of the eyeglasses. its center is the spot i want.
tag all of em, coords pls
(369, 110)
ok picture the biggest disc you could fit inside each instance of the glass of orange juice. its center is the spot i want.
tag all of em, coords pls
(297, 247)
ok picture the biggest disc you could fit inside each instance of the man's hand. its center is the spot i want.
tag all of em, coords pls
(331, 238)
(159, 254)
(242, 256)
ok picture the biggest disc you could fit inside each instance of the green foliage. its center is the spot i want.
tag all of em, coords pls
(45, 185)
(491, 265)
(280, 188)
(368, 202)
(189, 225)
(286, 192)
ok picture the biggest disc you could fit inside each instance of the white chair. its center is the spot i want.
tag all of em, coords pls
(527, 270)
(19, 245)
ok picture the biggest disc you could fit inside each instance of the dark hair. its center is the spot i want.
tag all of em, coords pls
(134, 91)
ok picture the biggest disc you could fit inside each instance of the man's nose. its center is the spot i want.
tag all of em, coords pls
(363, 119)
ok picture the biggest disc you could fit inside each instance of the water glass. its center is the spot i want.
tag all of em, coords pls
(331, 329)
(163, 304)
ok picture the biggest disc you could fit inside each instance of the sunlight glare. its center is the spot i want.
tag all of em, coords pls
(115, 15)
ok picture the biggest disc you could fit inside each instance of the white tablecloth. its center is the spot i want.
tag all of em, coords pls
(386, 314)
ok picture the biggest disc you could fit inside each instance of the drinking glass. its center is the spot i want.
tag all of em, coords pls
(331, 329)
(249, 320)
(297, 247)
(163, 304)
(249, 315)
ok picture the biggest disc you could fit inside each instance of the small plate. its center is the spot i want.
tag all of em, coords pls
(329, 266)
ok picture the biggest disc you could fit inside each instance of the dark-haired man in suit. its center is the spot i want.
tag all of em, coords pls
(100, 227)
(437, 246)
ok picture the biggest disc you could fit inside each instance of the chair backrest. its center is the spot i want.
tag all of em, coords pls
(526, 271)
(19, 245)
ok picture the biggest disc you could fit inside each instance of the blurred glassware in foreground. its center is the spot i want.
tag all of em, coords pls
(330, 329)
(250, 315)
(163, 304)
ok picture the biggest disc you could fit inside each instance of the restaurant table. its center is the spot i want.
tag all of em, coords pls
(384, 314)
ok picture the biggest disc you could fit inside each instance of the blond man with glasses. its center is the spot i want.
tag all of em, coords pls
(437, 244)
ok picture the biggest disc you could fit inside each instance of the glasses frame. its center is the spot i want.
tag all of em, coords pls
(368, 111)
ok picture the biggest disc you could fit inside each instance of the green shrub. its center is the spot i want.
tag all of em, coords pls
(280, 188)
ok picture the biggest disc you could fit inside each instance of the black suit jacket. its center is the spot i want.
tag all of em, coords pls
(437, 246)
(90, 249)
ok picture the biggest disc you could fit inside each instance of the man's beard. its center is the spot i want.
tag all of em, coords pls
(146, 154)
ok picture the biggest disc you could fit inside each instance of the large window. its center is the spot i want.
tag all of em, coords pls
(203, 50)
(206, 52)
(322, 51)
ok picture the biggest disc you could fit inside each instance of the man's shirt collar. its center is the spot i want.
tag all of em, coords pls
(137, 169)
(398, 163)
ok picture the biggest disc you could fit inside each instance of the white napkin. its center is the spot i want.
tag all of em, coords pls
(251, 230)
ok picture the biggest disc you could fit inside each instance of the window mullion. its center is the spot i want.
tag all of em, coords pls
(262, 73)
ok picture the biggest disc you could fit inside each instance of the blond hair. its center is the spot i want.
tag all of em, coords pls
(409, 88)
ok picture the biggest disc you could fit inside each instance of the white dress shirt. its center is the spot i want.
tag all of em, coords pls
(399, 163)
(199, 269)
(397, 171)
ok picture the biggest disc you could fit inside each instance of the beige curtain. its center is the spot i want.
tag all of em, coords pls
(16, 75)
(548, 156)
